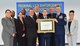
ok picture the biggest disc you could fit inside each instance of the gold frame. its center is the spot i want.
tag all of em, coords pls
(46, 31)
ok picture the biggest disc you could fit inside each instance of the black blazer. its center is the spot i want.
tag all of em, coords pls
(19, 27)
(31, 27)
(52, 15)
(35, 17)
(15, 22)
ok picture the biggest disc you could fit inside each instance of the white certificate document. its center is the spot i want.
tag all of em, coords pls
(46, 25)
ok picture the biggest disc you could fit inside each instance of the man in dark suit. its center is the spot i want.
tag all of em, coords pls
(44, 36)
(37, 14)
(24, 18)
(52, 15)
(31, 27)
(60, 29)
(15, 38)
(24, 12)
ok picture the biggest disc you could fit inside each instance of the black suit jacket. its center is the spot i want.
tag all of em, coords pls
(15, 22)
(19, 27)
(35, 17)
(31, 27)
(53, 15)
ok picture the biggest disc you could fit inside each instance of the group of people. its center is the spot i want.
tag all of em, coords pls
(23, 30)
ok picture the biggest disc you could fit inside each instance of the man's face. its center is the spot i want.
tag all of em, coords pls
(51, 10)
(44, 12)
(31, 12)
(36, 8)
(58, 9)
(71, 15)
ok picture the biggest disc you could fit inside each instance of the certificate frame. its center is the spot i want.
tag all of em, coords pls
(43, 23)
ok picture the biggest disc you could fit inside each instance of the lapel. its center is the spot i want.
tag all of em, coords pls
(58, 15)
(42, 17)
(45, 18)
(31, 19)
(36, 15)
(72, 25)
(51, 15)
(9, 22)
(19, 21)
(13, 20)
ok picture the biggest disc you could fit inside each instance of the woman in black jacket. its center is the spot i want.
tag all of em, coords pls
(21, 30)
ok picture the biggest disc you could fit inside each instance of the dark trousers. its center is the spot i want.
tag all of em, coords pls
(52, 40)
(31, 41)
(44, 40)
(59, 40)
(15, 41)
(22, 41)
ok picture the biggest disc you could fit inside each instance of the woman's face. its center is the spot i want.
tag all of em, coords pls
(71, 15)
(20, 15)
(8, 13)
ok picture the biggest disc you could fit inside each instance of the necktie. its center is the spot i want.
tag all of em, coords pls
(32, 17)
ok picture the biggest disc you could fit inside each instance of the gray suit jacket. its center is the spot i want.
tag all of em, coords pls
(73, 27)
(8, 30)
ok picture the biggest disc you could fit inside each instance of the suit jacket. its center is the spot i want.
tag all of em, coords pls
(53, 15)
(60, 29)
(35, 17)
(73, 27)
(15, 22)
(19, 28)
(31, 27)
(8, 30)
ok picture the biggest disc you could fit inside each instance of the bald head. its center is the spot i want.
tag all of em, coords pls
(51, 9)
(36, 8)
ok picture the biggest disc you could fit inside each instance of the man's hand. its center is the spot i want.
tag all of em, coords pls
(23, 35)
(55, 20)
(13, 35)
(69, 34)
(37, 20)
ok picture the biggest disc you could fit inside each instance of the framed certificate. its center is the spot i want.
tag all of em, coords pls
(46, 26)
